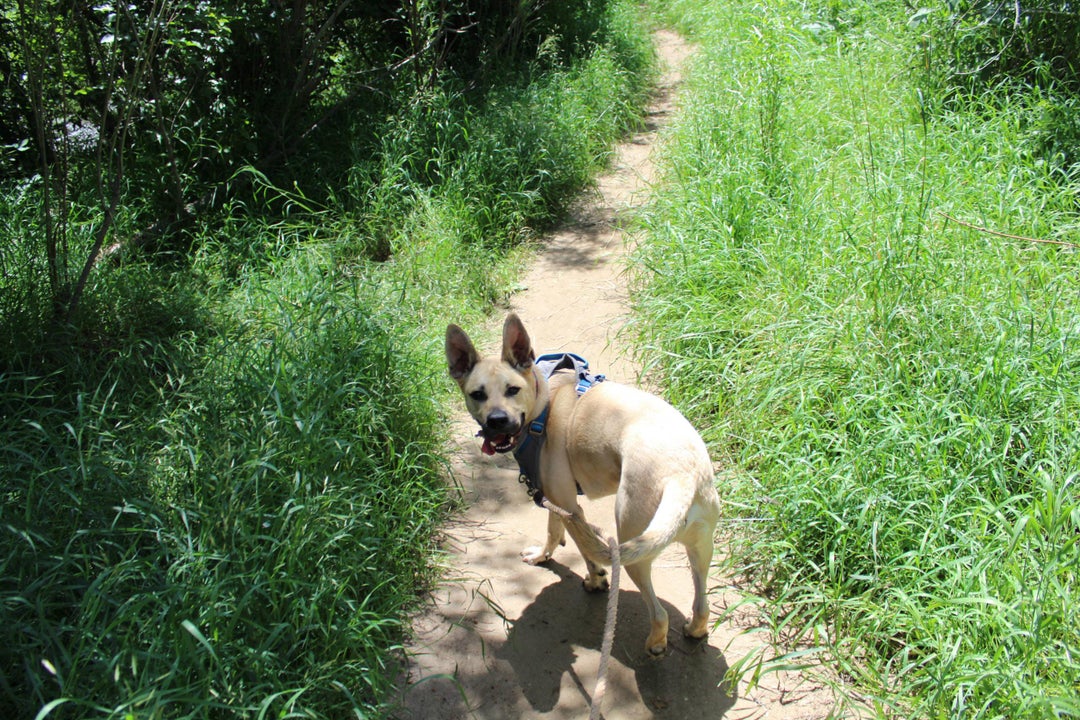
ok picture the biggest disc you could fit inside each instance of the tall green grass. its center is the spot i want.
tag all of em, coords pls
(220, 487)
(226, 520)
(898, 393)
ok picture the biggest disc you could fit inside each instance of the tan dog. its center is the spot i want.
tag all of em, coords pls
(613, 439)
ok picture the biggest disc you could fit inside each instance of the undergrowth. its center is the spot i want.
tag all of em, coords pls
(896, 386)
(221, 483)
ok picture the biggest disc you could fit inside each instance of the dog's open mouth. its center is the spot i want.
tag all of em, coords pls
(498, 443)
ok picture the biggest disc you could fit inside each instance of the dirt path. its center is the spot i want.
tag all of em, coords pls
(502, 640)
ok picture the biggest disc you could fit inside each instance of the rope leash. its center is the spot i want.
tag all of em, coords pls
(609, 620)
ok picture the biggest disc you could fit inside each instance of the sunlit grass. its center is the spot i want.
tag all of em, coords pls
(899, 392)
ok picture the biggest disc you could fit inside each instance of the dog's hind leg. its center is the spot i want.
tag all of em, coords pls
(641, 574)
(699, 551)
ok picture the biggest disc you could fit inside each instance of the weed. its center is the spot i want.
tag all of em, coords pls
(899, 393)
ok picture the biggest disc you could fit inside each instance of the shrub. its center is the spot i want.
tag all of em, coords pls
(974, 45)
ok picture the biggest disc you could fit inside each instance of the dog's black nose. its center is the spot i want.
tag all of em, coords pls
(499, 421)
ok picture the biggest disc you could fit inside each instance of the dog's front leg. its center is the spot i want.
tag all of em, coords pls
(556, 535)
(596, 578)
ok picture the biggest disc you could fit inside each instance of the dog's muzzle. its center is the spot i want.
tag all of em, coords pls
(501, 432)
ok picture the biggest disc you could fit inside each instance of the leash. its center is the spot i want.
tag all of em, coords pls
(609, 620)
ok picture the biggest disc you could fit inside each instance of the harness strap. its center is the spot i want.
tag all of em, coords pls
(527, 453)
(550, 363)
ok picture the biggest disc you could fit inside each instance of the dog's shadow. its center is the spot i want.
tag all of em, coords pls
(542, 647)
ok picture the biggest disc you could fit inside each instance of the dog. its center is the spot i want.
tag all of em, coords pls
(610, 439)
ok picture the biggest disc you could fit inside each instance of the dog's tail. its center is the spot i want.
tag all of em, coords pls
(669, 519)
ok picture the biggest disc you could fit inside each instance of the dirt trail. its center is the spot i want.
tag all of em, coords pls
(500, 639)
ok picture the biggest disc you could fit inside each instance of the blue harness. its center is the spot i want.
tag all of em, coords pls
(527, 453)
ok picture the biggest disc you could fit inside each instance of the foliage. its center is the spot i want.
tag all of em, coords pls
(897, 393)
(149, 115)
(232, 521)
(968, 49)
(221, 477)
(979, 44)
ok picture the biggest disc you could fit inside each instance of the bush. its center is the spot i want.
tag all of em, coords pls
(984, 54)
(222, 476)
(975, 45)
(241, 519)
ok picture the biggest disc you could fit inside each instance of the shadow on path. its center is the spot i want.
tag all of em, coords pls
(564, 619)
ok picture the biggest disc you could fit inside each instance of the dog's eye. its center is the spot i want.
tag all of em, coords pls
(512, 391)
(478, 395)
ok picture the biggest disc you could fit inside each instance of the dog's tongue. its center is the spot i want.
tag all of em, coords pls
(491, 444)
(488, 448)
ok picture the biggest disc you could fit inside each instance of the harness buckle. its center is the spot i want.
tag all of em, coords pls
(535, 493)
(586, 381)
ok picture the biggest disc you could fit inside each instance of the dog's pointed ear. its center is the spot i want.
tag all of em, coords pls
(517, 347)
(461, 356)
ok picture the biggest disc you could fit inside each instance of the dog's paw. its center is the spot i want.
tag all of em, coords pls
(656, 645)
(697, 629)
(534, 555)
(597, 582)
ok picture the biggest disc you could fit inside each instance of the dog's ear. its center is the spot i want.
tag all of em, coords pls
(517, 348)
(461, 356)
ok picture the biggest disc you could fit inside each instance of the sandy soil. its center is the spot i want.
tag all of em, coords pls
(499, 639)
